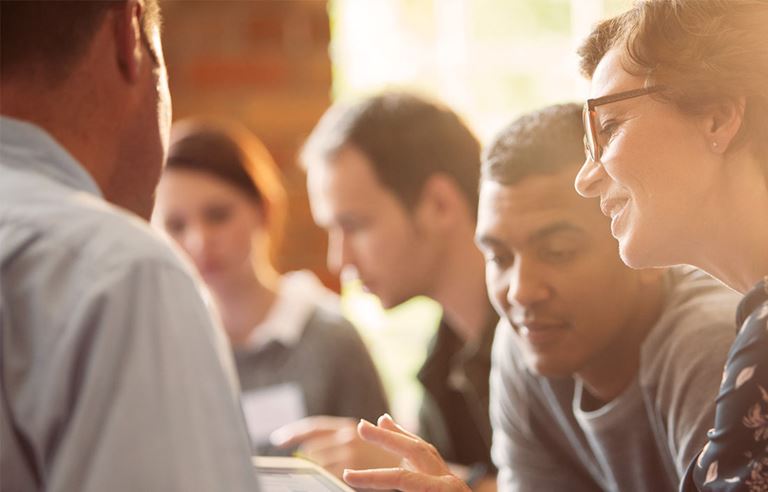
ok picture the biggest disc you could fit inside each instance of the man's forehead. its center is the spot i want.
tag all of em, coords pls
(338, 198)
(527, 229)
(348, 171)
(534, 193)
(534, 207)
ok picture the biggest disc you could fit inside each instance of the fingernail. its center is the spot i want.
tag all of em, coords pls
(278, 438)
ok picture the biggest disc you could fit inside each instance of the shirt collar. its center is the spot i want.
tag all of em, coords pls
(299, 294)
(29, 148)
(755, 298)
(448, 353)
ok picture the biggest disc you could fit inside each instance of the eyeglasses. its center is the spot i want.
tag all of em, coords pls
(591, 145)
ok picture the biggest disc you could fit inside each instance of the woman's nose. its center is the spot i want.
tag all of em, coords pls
(588, 179)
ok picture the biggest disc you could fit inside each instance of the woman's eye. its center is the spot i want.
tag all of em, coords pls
(608, 129)
(558, 254)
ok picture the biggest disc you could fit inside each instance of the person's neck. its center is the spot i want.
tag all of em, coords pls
(63, 112)
(243, 302)
(460, 288)
(734, 245)
(612, 371)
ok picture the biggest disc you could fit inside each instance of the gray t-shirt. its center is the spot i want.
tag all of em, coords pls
(641, 441)
(110, 376)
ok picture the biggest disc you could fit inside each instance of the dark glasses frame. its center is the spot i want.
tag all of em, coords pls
(592, 146)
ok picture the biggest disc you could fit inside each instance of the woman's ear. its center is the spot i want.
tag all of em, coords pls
(723, 122)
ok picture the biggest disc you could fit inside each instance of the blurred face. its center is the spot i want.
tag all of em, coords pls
(212, 221)
(552, 271)
(369, 230)
(654, 174)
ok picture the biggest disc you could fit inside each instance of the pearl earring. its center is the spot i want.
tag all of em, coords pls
(714, 145)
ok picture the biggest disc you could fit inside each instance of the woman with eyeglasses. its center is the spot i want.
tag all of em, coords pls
(676, 135)
(677, 152)
(221, 200)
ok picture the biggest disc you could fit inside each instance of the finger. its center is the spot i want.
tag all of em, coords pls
(341, 438)
(386, 478)
(387, 422)
(332, 459)
(422, 455)
(401, 479)
(308, 428)
(336, 469)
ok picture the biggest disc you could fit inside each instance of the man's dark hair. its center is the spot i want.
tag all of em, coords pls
(50, 35)
(541, 142)
(407, 139)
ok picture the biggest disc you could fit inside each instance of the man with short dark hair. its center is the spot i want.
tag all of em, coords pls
(392, 178)
(603, 377)
(110, 377)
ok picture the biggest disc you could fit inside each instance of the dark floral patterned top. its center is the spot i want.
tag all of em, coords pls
(736, 456)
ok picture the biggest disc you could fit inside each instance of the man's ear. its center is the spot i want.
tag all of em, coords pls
(441, 202)
(126, 19)
(722, 122)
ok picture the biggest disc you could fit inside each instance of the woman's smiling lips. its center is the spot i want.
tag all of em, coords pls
(614, 208)
(611, 207)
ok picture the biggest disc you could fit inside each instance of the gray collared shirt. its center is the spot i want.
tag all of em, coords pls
(110, 379)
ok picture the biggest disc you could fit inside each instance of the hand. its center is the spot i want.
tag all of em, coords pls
(422, 466)
(333, 443)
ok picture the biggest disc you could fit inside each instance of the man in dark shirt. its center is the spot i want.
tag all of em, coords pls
(393, 179)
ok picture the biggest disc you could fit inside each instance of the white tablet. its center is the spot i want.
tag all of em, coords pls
(295, 474)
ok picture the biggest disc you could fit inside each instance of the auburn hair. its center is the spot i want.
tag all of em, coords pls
(703, 51)
(232, 153)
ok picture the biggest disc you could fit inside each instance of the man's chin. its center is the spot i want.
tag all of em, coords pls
(548, 369)
(389, 302)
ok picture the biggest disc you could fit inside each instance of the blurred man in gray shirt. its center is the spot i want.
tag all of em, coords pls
(110, 377)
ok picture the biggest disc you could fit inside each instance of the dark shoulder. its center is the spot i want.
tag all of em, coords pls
(754, 306)
(331, 326)
(329, 336)
(753, 320)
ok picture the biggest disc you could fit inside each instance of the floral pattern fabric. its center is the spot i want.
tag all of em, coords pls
(736, 456)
